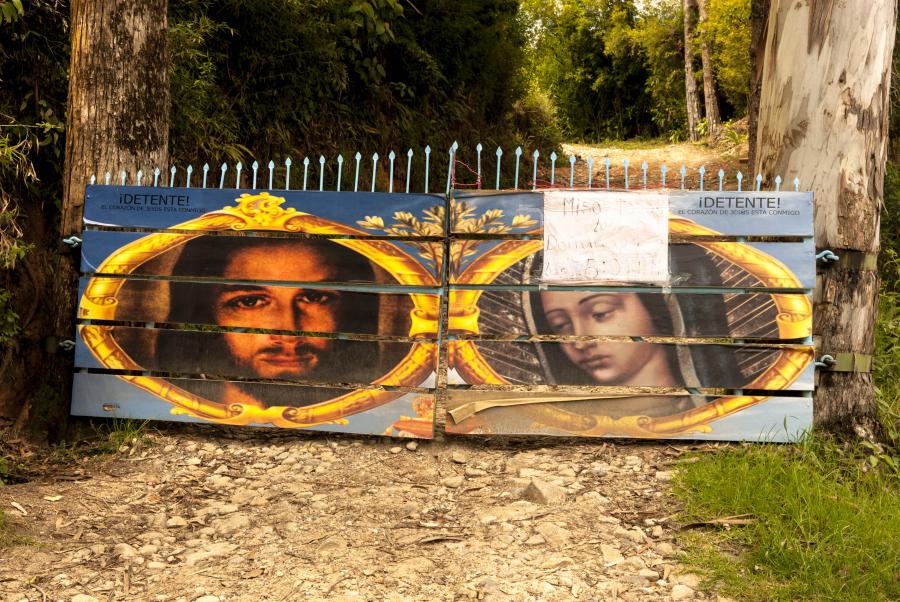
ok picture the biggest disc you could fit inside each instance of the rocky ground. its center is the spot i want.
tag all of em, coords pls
(200, 514)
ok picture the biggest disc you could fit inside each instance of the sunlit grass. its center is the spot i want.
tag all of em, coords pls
(827, 524)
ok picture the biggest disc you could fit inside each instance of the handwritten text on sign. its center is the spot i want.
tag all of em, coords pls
(603, 236)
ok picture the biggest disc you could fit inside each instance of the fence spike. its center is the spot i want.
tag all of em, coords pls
(644, 170)
(740, 179)
(721, 178)
(478, 149)
(140, 178)
(374, 169)
(552, 169)
(237, 176)
(409, 156)
(156, 172)
(222, 177)
(305, 171)
(518, 156)
(357, 156)
(391, 155)
(172, 171)
(607, 163)
(571, 171)
(287, 173)
(625, 163)
(450, 166)
(702, 172)
(123, 176)
(759, 179)
(536, 154)
(427, 165)
(663, 170)
(340, 162)
(777, 183)
(321, 173)
(796, 184)
(93, 179)
(682, 172)
(499, 154)
(271, 166)
(205, 173)
(255, 167)
(590, 166)
(189, 170)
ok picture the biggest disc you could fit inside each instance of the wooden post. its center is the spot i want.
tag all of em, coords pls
(823, 118)
(118, 120)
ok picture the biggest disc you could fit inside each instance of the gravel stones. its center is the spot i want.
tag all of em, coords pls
(241, 514)
(542, 492)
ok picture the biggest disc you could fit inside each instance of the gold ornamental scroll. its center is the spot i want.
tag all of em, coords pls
(794, 320)
(259, 212)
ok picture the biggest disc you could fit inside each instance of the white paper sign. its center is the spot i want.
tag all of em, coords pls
(605, 236)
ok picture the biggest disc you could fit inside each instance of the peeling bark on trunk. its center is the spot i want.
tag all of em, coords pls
(118, 119)
(823, 117)
(759, 20)
(690, 82)
(710, 95)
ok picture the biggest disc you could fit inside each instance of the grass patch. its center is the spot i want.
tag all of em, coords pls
(826, 528)
(118, 433)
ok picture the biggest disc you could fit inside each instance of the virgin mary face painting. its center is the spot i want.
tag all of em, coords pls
(597, 314)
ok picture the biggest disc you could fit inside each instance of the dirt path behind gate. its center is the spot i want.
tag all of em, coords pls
(204, 513)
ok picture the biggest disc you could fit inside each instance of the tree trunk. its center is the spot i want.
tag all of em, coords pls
(118, 119)
(823, 117)
(759, 20)
(710, 95)
(690, 81)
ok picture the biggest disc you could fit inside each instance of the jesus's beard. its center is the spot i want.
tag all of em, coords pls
(270, 394)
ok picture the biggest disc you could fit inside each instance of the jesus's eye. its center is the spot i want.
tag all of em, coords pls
(247, 302)
(315, 297)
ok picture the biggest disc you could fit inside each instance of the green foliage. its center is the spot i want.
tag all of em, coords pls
(728, 33)
(9, 319)
(535, 123)
(11, 10)
(585, 58)
(659, 32)
(615, 68)
(825, 522)
(274, 78)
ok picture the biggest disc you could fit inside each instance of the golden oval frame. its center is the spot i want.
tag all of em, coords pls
(794, 321)
(262, 212)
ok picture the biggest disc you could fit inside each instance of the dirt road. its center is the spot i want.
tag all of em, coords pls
(205, 514)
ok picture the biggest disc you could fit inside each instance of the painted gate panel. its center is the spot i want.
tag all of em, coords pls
(393, 413)
(273, 259)
(308, 359)
(740, 265)
(734, 418)
(727, 213)
(507, 312)
(311, 308)
(603, 363)
(312, 212)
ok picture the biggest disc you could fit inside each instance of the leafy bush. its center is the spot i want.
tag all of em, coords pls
(534, 119)
(274, 78)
